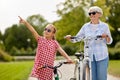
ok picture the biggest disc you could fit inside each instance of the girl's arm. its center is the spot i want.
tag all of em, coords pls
(63, 53)
(33, 31)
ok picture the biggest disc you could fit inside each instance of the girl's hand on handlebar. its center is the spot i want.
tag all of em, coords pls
(70, 61)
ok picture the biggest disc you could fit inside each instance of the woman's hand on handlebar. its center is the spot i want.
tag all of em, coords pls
(68, 37)
(104, 35)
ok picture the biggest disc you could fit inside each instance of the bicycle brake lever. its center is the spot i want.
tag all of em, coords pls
(98, 37)
(73, 37)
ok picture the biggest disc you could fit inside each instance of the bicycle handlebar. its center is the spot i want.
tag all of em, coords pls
(87, 38)
(54, 67)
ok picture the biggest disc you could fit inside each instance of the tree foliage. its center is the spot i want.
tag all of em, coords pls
(114, 19)
(70, 23)
(1, 42)
(20, 37)
(73, 16)
(38, 22)
(69, 5)
(0, 35)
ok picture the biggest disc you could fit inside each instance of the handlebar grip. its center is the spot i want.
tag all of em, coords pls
(66, 62)
(73, 37)
(99, 36)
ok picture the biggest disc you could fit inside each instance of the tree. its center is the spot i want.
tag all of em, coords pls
(1, 42)
(38, 22)
(114, 19)
(13, 37)
(73, 16)
(70, 23)
(20, 37)
(69, 5)
(0, 35)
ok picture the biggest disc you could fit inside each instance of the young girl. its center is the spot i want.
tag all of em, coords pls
(46, 51)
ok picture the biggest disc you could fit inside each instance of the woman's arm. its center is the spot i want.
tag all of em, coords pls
(107, 35)
(33, 31)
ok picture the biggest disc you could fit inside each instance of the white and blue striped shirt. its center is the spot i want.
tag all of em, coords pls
(98, 48)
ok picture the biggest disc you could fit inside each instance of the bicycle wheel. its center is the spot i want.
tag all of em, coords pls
(86, 72)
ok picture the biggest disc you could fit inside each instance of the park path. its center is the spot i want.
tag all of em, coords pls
(67, 71)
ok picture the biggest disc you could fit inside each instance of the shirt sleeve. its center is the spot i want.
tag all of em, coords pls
(80, 35)
(109, 34)
(57, 44)
(39, 39)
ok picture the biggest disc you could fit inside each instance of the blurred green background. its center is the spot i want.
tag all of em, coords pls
(17, 41)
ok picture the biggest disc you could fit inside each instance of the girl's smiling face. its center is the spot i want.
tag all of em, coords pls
(49, 31)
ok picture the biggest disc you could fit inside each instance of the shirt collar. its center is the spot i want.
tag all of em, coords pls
(98, 23)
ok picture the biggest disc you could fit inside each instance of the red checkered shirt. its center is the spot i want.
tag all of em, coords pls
(45, 55)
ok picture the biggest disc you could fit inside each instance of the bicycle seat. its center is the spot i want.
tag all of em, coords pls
(79, 55)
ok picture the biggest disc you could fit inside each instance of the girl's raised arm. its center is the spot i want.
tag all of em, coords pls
(33, 31)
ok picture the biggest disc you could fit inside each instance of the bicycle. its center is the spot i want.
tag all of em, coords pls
(82, 69)
(78, 66)
(55, 69)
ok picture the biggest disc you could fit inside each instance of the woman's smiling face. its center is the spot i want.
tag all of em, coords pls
(94, 15)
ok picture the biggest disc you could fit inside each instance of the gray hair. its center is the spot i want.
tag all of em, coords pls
(96, 9)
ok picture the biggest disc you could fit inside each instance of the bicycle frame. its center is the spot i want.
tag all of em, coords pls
(55, 69)
(84, 62)
(87, 60)
(78, 66)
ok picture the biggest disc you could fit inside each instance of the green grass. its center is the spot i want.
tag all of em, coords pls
(21, 70)
(114, 68)
(15, 70)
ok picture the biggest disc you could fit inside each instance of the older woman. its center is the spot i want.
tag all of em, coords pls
(98, 52)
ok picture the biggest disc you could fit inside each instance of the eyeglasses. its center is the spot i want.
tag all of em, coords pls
(48, 30)
(93, 13)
